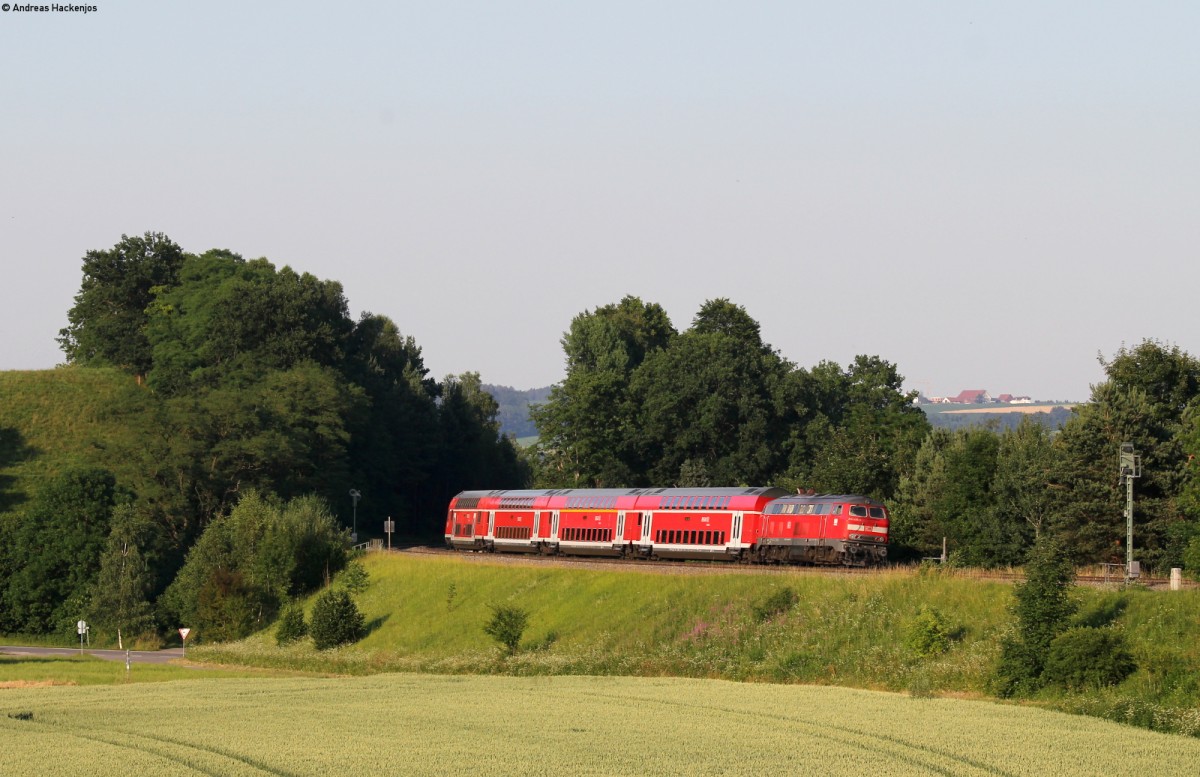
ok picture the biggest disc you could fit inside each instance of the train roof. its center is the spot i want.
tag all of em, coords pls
(734, 498)
(602, 492)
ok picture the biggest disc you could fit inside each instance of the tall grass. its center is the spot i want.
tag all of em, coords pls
(54, 420)
(427, 614)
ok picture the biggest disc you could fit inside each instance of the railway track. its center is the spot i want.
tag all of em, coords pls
(668, 567)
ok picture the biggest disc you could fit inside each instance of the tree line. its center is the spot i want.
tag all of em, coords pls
(245, 379)
(644, 404)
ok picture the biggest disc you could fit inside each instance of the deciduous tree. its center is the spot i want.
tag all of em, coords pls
(109, 320)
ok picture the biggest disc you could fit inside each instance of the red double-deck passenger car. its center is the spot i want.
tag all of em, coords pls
(747, 524)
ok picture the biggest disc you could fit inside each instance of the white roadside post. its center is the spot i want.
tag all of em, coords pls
(389, 526)
(82, 628)
(183, 634)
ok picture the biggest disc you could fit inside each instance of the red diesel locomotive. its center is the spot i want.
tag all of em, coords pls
(735, 524)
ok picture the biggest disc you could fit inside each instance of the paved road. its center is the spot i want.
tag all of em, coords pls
(136, 656)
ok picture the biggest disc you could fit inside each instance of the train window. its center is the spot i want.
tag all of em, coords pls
(837, 509)
(877, 512)
(858, 511)
(692, 538)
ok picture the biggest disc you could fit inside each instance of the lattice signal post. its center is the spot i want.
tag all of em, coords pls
(1131, 468)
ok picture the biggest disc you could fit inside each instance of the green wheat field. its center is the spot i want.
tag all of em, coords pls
(498, 725)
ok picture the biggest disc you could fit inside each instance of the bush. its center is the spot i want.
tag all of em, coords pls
(1043, 606)
(507, 625)
(928, 634)
(291, 625)
(777, 603)
(336, 620)
(354, 577)
(1084, 657)
(1191, 558)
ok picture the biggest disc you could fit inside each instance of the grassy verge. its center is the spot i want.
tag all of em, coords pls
(36, 671)
(427, 615)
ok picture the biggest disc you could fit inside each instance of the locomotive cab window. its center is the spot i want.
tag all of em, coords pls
(858, 511)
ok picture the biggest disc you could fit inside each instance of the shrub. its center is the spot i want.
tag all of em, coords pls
(336, 620)
(291, 625)
(928, 634)
(354, 577)
(1084, 657)
(1043, 607)
(1019, 671)
(507, 625)
(1191, 558)
(779, 602)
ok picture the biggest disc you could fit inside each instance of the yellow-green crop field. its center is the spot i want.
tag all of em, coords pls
(499, 725)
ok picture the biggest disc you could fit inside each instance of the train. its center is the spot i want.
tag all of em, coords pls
(752, 525)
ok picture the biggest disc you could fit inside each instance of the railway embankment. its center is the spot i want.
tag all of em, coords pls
(426, 613)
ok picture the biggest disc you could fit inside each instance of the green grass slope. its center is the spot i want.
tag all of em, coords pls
(427, 614)
(52, 421)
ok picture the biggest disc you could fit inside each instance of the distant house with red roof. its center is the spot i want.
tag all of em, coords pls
(972, 397)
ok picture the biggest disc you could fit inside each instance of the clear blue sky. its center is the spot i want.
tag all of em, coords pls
(987, 194)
